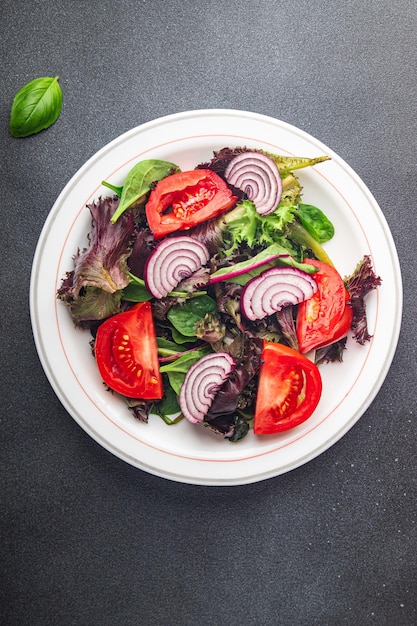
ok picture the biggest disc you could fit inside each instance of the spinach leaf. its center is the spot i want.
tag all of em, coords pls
(183, 363)
(176, 380)
(117, 190)
(241, 429)
(139, 182)
(183, 317)
(315, 222)
(177, 370)
(168, 348)
(36, 106)
(168, 407)
(179, 337)
(136, 290)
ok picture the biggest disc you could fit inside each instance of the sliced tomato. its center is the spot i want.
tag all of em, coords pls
(186, 199)
(325, 317)
(341, 328)
(127, 353)
(289, 389)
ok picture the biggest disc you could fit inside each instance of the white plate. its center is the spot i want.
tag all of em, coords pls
(184, 452)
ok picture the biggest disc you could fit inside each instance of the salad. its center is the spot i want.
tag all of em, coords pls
(209, 295)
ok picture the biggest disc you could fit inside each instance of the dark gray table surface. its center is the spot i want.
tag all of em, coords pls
(88, 539)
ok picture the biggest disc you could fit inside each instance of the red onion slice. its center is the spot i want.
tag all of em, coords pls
(258, 176)
(202, 382)
(173, 260)
(274, 289)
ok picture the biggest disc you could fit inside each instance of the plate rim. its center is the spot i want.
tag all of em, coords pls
(52, 215)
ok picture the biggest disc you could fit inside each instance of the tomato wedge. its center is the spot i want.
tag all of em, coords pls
(289, 389)
(186, 199)
(127, 353)
(325, 317)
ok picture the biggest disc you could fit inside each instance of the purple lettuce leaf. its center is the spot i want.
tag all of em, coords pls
(141, 249)
(332, 353)
(140, 409)
(195, 282)
(231, 395)
(94, 304)
(359, 284)
(103, 263)
(210, 233)
(221, 159)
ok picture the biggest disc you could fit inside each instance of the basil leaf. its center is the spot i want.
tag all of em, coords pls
(139, 182)
(184, 316)
(36, 106)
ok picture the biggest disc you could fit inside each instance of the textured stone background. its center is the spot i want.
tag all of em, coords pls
(85, 538)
